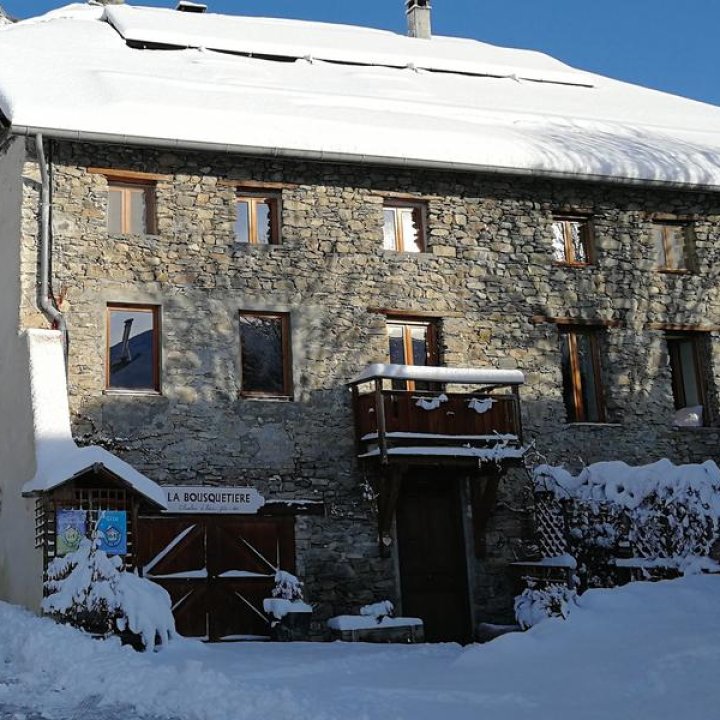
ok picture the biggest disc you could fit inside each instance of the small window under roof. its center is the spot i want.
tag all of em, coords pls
(192, 7)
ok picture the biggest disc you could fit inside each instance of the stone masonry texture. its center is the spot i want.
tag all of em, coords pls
(487, 271)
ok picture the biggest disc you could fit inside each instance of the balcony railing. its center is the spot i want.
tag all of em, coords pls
(481, 421)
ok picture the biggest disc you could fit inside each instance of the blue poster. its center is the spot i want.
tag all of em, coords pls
(70, 529)
(112, 532)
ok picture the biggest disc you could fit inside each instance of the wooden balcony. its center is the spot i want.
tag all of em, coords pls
(479, 422)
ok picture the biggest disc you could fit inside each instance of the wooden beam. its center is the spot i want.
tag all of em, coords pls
(128, 175)
(380, 416)
(679, 327)
(256, 184)
(584, 322)
(390, 483)
(414, 314)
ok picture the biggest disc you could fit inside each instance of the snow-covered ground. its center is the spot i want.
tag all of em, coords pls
(642, 651)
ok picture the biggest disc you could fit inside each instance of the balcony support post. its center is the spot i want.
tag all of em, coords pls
(390, 483)
(484, 488)
(380, 415)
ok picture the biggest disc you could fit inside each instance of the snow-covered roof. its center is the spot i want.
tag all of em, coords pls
(335, 92)
(58, 458)
(426, 373)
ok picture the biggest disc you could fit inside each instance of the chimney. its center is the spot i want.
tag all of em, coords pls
(107, 2)
(418, 17)
(125, 354)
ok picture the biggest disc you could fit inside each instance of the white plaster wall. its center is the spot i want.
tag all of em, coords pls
(20, 563)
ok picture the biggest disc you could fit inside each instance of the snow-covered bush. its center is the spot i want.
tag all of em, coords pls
(91, 591)
(287, 586)
(535, 604)
(287, 597)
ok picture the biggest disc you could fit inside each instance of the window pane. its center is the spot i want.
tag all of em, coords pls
(581, 385)
(418, 336)
(397, 345)
(690, 380)
(579, 236)
(567, 376)
(588, 380)
(137, 212)
(132, 350)
(410, 229)
(262, 220)
(675, 247)
(242, 222)
(261, 347)
(659, 246)
(114, 216)
(558, 228)
(389, 235)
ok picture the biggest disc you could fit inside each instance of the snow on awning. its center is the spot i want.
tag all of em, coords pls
(58, 458)
(426, 373)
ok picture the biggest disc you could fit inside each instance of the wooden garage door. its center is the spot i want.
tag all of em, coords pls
(217, 569)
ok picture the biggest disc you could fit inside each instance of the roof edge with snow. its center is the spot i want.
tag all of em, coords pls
(58, 458)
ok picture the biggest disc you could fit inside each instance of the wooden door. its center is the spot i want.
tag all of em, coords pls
(243, 557)
(431, 547)
(217, 569)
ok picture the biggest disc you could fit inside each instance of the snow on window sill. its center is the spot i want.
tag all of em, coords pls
(132, 393)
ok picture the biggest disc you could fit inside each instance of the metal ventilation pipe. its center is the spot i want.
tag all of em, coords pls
(418, 18)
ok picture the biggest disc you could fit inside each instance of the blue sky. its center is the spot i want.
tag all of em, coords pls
(665, 44)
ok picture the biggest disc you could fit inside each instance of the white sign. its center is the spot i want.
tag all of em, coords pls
(211, 499)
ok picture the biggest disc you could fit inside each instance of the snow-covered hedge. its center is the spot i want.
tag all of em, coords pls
(660, 511)
(90, 590)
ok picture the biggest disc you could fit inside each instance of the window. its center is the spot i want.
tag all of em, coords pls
(133, 358)
(686, 366)
(257, 221)
(404, 227)
(131, 208)
(265, 354)
(582, 383)
(572, 240)
(412, 342)
(671, 246)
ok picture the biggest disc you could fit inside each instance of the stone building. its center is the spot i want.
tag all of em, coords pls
(253, 239)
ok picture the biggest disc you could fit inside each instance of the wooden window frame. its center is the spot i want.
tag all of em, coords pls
(431, 340)
(134, 307)
(571, 332)
(127, 185)
(252, 198)
(587, 235)
(419, 210)
(286, 349)
(665, 226)
(676, 369)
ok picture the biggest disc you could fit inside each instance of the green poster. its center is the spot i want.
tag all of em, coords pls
(71, 528)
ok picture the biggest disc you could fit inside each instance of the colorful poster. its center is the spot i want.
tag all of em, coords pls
(112, 532)
(70, 529)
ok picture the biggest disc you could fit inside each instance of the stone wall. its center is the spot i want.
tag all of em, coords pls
(487, 272)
